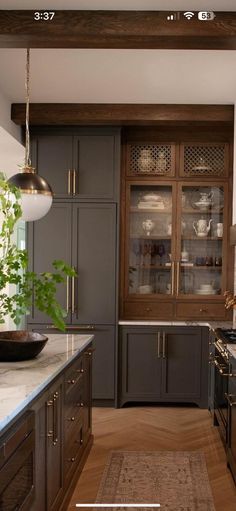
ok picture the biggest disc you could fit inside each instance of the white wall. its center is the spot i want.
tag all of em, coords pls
(5, 117)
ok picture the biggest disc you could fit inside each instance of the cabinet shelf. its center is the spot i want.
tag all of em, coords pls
(200, 212)
(168, 268)
(153, 237)
(134, 209)
(206, 238)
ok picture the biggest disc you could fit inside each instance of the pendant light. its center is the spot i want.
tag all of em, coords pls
(36, 193)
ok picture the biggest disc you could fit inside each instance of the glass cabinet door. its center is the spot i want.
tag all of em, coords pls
(201, 251)
(150, 240)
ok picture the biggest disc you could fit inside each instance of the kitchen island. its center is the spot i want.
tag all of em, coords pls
(45, 424)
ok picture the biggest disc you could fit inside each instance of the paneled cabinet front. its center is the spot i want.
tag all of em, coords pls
(54, 432)
(82, 165)
(84, 235)
(166, 364)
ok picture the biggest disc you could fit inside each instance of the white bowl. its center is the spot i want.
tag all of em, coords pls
(152, 197)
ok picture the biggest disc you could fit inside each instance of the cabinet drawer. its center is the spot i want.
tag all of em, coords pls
(74, 377)
(148, 310)
(199, 311)
(74, 449)
(72, 416)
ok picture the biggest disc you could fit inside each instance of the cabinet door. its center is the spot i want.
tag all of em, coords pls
(140, 365)
(52, 156)
(54, 464)
(181, 376)
(95, 165)
(104, 363)
(49, 239)
(94, 258)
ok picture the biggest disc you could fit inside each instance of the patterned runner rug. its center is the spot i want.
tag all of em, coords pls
(178, 481)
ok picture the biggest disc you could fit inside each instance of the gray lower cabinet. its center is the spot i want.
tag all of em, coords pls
(164, 364)
(80, 163)
(84, 235)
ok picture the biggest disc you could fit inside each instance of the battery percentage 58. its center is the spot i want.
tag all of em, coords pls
(206, 15)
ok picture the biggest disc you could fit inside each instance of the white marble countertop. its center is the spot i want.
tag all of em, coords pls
(21, 382)
(208, 323)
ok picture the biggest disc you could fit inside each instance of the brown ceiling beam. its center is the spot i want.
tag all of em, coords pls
(121, 114)
(116, 29)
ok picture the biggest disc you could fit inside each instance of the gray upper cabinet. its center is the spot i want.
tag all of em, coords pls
(94, 256)
(52, 155)
(83, 165)
(84, 235)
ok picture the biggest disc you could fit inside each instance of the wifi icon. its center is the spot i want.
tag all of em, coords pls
(188, 15)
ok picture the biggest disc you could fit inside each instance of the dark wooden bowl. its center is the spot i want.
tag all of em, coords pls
(16, 345)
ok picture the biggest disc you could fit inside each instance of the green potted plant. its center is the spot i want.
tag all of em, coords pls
(27, 284)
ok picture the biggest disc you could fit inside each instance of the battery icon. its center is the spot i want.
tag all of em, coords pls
(206, 15)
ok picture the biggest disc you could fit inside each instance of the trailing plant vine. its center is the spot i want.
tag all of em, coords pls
(28, 285)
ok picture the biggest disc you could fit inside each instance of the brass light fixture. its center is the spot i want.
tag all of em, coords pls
(36, 193)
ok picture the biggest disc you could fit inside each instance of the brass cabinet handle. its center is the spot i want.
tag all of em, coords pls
(178, 276)
(69, 182)
(172, 277)
(74, 182)
(78, 328)
(164, 345)
(231, 399)
(158, 344)
(73, 295)
(67, 294)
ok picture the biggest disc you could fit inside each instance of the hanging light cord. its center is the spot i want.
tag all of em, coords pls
(27, 134)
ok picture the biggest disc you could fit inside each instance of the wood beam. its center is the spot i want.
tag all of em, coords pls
(116, 29)
(121, 114)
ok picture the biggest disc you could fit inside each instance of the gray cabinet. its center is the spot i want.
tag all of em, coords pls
(93, 257)
(84, 235)
(82, 164)
(166, 364)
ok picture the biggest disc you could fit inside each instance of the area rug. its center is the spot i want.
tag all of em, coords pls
(178, 481)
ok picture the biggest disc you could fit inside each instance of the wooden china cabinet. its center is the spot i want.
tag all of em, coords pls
(176, 211)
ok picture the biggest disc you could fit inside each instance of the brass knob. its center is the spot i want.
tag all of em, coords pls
(71, 419)
(80, 370)
(71, 381)
(50, 402)
(203, 310)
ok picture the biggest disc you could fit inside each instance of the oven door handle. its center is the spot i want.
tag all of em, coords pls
(231, 399)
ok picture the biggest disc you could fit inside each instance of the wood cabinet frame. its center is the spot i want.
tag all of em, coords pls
(200, 307)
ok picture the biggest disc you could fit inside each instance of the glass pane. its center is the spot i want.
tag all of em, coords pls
(150, 233)
(202, 233)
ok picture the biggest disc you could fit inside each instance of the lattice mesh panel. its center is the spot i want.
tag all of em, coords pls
(204, 160)
(150, 159)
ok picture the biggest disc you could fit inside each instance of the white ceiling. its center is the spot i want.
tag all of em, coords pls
(220, 5)
(120, 76)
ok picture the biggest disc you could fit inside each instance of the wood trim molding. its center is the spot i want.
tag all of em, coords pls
(121, 114)
(116, 29)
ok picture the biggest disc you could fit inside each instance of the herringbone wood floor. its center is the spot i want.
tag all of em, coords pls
(156, 428)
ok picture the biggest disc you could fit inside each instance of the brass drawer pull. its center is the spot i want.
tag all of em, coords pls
(80, 405)
(203, 310)
(72, 382)
(71, 459)
(50, 402)
(158, 344)
(69, 181)
(164, 345)
(71, 419)
(81, 371)
(50, 434)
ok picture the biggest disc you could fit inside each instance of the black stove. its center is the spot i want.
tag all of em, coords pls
(226, 335)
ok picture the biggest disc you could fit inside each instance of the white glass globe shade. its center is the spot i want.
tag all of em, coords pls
(35, 206)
